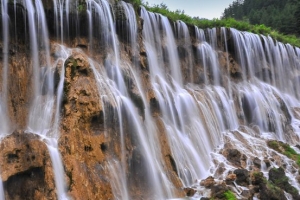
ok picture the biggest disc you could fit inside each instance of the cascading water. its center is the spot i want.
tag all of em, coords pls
(181, 112)
(112, 81)
(172, 99)
(40, 115)
(183, 34)
(4, 124)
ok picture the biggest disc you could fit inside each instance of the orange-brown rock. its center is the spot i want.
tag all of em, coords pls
(81, 97)
(26, 168)
(83, 143)
(230, 178)
(19, 87)
(208, 182)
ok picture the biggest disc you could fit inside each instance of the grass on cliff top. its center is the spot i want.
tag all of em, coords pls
(229, 23)
(285, 149)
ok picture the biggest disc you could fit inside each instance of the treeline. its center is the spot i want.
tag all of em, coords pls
(225, 22)
(281, 15)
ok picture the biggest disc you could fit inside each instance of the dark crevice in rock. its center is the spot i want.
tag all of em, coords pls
(24, 185)
(88, 148)
(173, 164)
(103, 147)
(97, 123)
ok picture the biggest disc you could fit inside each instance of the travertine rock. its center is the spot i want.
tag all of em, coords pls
(26, 167)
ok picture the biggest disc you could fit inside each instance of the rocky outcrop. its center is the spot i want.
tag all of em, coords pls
(248, 179)
(83, 144)
(242, 177)
(266, 189)
(278, 178)
(89, 139)
(235, 157)
(26, 169)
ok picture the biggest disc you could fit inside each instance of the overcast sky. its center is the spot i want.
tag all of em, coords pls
(202, 8)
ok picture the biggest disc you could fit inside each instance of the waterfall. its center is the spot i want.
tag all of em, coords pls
(40, 115)
(168, 99)
(183, 128)
(4, 124)
(183, 34)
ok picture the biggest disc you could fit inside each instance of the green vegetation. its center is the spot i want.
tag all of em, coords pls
(136, 3)
(285, 149)
(274, 145)
(228, 21)
(281, 15)
(229, 195)
(278, 177)
(273, 189)
(81, 7)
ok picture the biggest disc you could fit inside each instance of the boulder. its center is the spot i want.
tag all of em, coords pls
(233, 156)
(277, 177)
(189, 192)
(230, 178)
(208, 182)
(218, 191)
(269, 191)
(257, 162)
(26, 169)
(242, 177)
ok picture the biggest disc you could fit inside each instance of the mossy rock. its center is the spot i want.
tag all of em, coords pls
(278, 178)
(222, 192)
(284, 149)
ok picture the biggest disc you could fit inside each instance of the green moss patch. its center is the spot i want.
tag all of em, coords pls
(284, 149)
(229, 195)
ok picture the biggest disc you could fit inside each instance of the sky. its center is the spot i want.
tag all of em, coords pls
(208, 9)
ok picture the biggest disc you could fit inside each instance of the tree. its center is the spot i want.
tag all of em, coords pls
(282, 15)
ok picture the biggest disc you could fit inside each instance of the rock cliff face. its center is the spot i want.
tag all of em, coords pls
(103, 82)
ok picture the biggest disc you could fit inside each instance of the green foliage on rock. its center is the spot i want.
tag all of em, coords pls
(136, 3)
(278, 177)
(274, 145)
(285, 149)
(229, 195)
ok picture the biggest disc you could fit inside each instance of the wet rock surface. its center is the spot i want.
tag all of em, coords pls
(82, 143)
(234, 156)
(242, 177)
(250, 181)
(208, 183)
(87, 147)
(278, 178)
(26, 168)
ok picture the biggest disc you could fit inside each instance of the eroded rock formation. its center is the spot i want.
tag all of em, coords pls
(26, 169)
